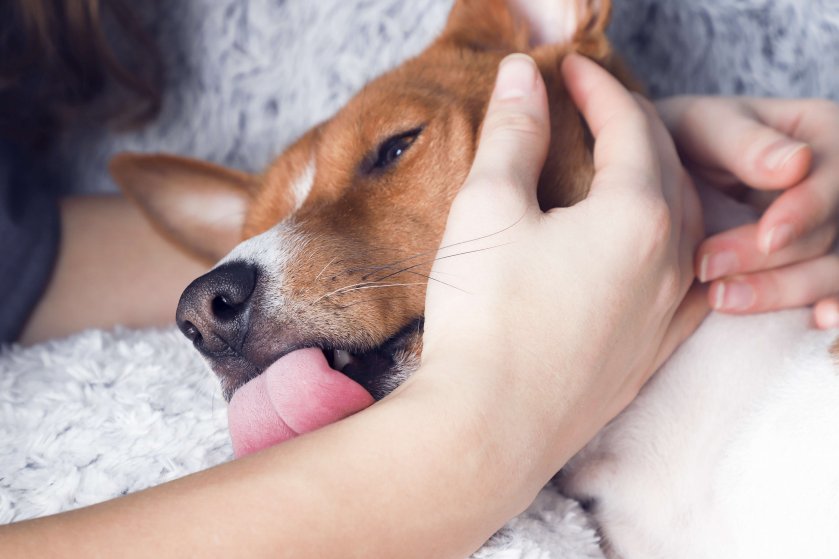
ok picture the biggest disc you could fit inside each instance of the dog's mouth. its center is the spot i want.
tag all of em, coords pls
(379, 370)
(311, 387)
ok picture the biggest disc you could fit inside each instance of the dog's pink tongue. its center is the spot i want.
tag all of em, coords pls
(295, 395)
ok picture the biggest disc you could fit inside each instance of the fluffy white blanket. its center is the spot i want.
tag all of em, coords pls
(103, 414)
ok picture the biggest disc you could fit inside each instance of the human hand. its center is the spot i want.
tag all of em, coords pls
(557, 319)
(789, 148)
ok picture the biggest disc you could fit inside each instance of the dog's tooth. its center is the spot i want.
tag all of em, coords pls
(341, 359)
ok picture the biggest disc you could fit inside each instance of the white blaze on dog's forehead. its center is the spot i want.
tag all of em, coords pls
(302, 185)
(271, 252)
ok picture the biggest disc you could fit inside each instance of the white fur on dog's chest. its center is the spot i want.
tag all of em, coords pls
(730, 451)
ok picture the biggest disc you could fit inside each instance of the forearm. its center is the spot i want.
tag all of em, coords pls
(414, 476)
(112, 268)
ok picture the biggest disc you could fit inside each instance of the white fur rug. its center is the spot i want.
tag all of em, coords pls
(102, 414)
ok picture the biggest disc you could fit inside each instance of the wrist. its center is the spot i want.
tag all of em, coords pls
(513, 433)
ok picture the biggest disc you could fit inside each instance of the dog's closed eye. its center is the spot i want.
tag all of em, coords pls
(391, 149)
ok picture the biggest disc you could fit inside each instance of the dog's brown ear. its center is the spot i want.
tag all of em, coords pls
(198, 206)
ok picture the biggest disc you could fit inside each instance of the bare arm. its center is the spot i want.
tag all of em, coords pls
(112, 268)
(385, 483)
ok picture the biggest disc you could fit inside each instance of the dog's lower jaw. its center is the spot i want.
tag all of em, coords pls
(405, 364)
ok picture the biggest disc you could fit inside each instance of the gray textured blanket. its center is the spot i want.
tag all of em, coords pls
(103, 414)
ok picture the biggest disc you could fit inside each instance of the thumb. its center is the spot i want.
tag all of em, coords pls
(514, 139)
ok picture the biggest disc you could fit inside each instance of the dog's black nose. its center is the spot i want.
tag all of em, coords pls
(214, 309)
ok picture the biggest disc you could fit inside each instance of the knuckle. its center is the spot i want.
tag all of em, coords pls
(651, 231)
(657, 221)
(643, 220)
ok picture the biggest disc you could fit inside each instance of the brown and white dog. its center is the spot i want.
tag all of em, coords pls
(726, 453)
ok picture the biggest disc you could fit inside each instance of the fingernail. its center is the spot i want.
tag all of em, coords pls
(777, 238)
(718, 265)
(734, 296)
(516, 77)
(781, 153)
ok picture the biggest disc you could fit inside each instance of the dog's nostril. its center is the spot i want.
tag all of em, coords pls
(191, 332)
(214, 310)
(224, 309)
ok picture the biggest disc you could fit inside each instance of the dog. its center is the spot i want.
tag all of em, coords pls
(725, 453)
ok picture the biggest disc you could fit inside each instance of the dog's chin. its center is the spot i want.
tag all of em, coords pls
(379, 370)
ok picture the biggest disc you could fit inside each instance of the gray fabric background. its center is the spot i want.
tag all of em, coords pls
(246, 77)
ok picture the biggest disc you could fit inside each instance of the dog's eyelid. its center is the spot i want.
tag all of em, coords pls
(390, 150)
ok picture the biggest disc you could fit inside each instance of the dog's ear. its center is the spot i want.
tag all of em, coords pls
(485, 25)
(580, 23)
(198, 206)
(519, 25)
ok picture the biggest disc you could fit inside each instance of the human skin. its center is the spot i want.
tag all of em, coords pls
(788, 151)
(113, 269)
(383, 483)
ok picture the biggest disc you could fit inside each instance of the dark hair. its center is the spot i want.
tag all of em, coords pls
(56, 57)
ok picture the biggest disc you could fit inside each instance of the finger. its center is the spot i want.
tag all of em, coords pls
(800, 210)
(826, 313)
(735, 252)
(623, 138)
(816, 200)
(792, 286)
(720, 137)
(514, 135)
(687, 318)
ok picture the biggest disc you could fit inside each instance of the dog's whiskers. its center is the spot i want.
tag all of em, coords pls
(340, 290)
(429, 278)
(364, 285)
(418, 264)
(444, 248)
(328, 264)
(354, 303)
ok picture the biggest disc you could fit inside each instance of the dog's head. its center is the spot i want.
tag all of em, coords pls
(342, 228)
